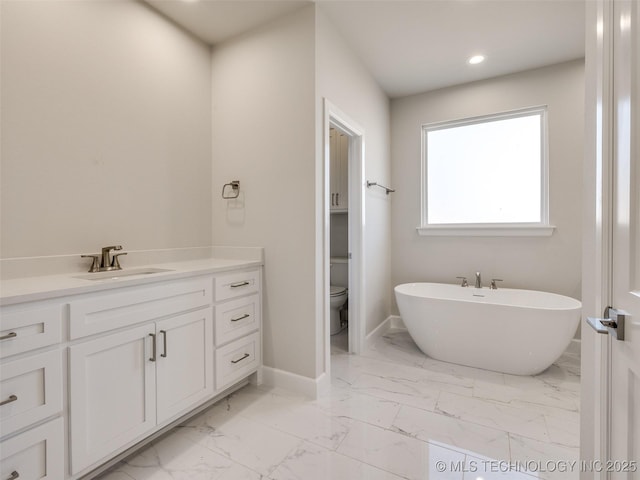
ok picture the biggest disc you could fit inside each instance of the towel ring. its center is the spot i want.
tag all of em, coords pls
(235, 190)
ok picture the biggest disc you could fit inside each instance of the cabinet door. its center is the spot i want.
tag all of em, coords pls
(185, 362)
(112, 390)
(342, 192)
(333, 166)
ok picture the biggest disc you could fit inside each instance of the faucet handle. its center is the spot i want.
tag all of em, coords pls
(115, 263)
(464, 282)
(95, 265)
(493, 285)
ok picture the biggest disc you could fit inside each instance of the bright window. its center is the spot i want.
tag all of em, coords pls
(486, 174)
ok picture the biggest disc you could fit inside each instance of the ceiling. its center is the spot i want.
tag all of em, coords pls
(215, 21)
(416, 45)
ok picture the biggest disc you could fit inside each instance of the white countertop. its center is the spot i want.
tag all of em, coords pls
(44, 287)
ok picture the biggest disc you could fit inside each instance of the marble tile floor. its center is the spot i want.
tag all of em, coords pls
(392, 413)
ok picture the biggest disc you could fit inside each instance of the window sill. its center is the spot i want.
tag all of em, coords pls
(487, 230)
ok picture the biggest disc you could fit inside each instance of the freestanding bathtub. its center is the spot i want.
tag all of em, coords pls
(521, 332)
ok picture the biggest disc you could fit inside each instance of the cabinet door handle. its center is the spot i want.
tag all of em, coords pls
(240, 359)
(246, 315)
(14, 475)
(337, 199)
(332, 201)
(9, 335)
(239, 284)
(164, 343)
(11, 399)
(153, 347)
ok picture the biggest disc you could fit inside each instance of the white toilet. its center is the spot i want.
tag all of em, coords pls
(339, 278)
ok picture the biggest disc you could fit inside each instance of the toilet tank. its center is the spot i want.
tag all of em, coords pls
(339, 272)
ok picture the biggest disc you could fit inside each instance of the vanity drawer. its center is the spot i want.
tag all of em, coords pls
(36, 454)
(237, 360)
(236, 318)
(23, 329)
(31, 390)
(236, 284)
(101, 313)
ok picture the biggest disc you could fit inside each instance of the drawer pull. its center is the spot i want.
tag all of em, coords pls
(239, 284)
(153, 351)
(164, 343)
(5, 337)
(246, 315)
(240, 359)
(11, 399)
(14, 475)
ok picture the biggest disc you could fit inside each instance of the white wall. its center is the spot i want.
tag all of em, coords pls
(105, 130)
(263, 135)
(342, 79)
(546, 263)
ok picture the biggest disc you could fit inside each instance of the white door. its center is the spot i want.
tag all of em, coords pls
(184, 362)
(625, 354)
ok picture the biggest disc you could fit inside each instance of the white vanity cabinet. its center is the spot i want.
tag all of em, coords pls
(31, 392)
(339, 170)
(124, 384)
(87, 376)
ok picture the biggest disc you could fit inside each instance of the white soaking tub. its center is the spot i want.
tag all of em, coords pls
(520, 332)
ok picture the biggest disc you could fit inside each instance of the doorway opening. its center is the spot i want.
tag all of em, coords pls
(339, 240)
(343, 251)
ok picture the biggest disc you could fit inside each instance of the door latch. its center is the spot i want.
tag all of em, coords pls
(612, 324)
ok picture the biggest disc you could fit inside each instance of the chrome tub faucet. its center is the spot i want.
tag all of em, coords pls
(478, 280)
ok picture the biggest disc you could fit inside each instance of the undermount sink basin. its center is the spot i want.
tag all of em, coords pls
(117, 274)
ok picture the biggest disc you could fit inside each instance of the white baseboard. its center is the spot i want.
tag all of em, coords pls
(575, 346)
(392, 321)
(309, 387)
(396, 322)
(314, 388)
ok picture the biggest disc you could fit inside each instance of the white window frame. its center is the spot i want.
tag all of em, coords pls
(532, 229)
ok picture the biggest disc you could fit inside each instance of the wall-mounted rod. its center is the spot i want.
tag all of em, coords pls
(376, 184)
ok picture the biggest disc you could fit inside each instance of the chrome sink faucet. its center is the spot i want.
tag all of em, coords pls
(105, 262)
(478, 280)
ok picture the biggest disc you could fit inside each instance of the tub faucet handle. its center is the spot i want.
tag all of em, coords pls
(493, 285)
(464, 282)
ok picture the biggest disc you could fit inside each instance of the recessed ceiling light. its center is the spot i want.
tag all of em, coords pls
(476, 59)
